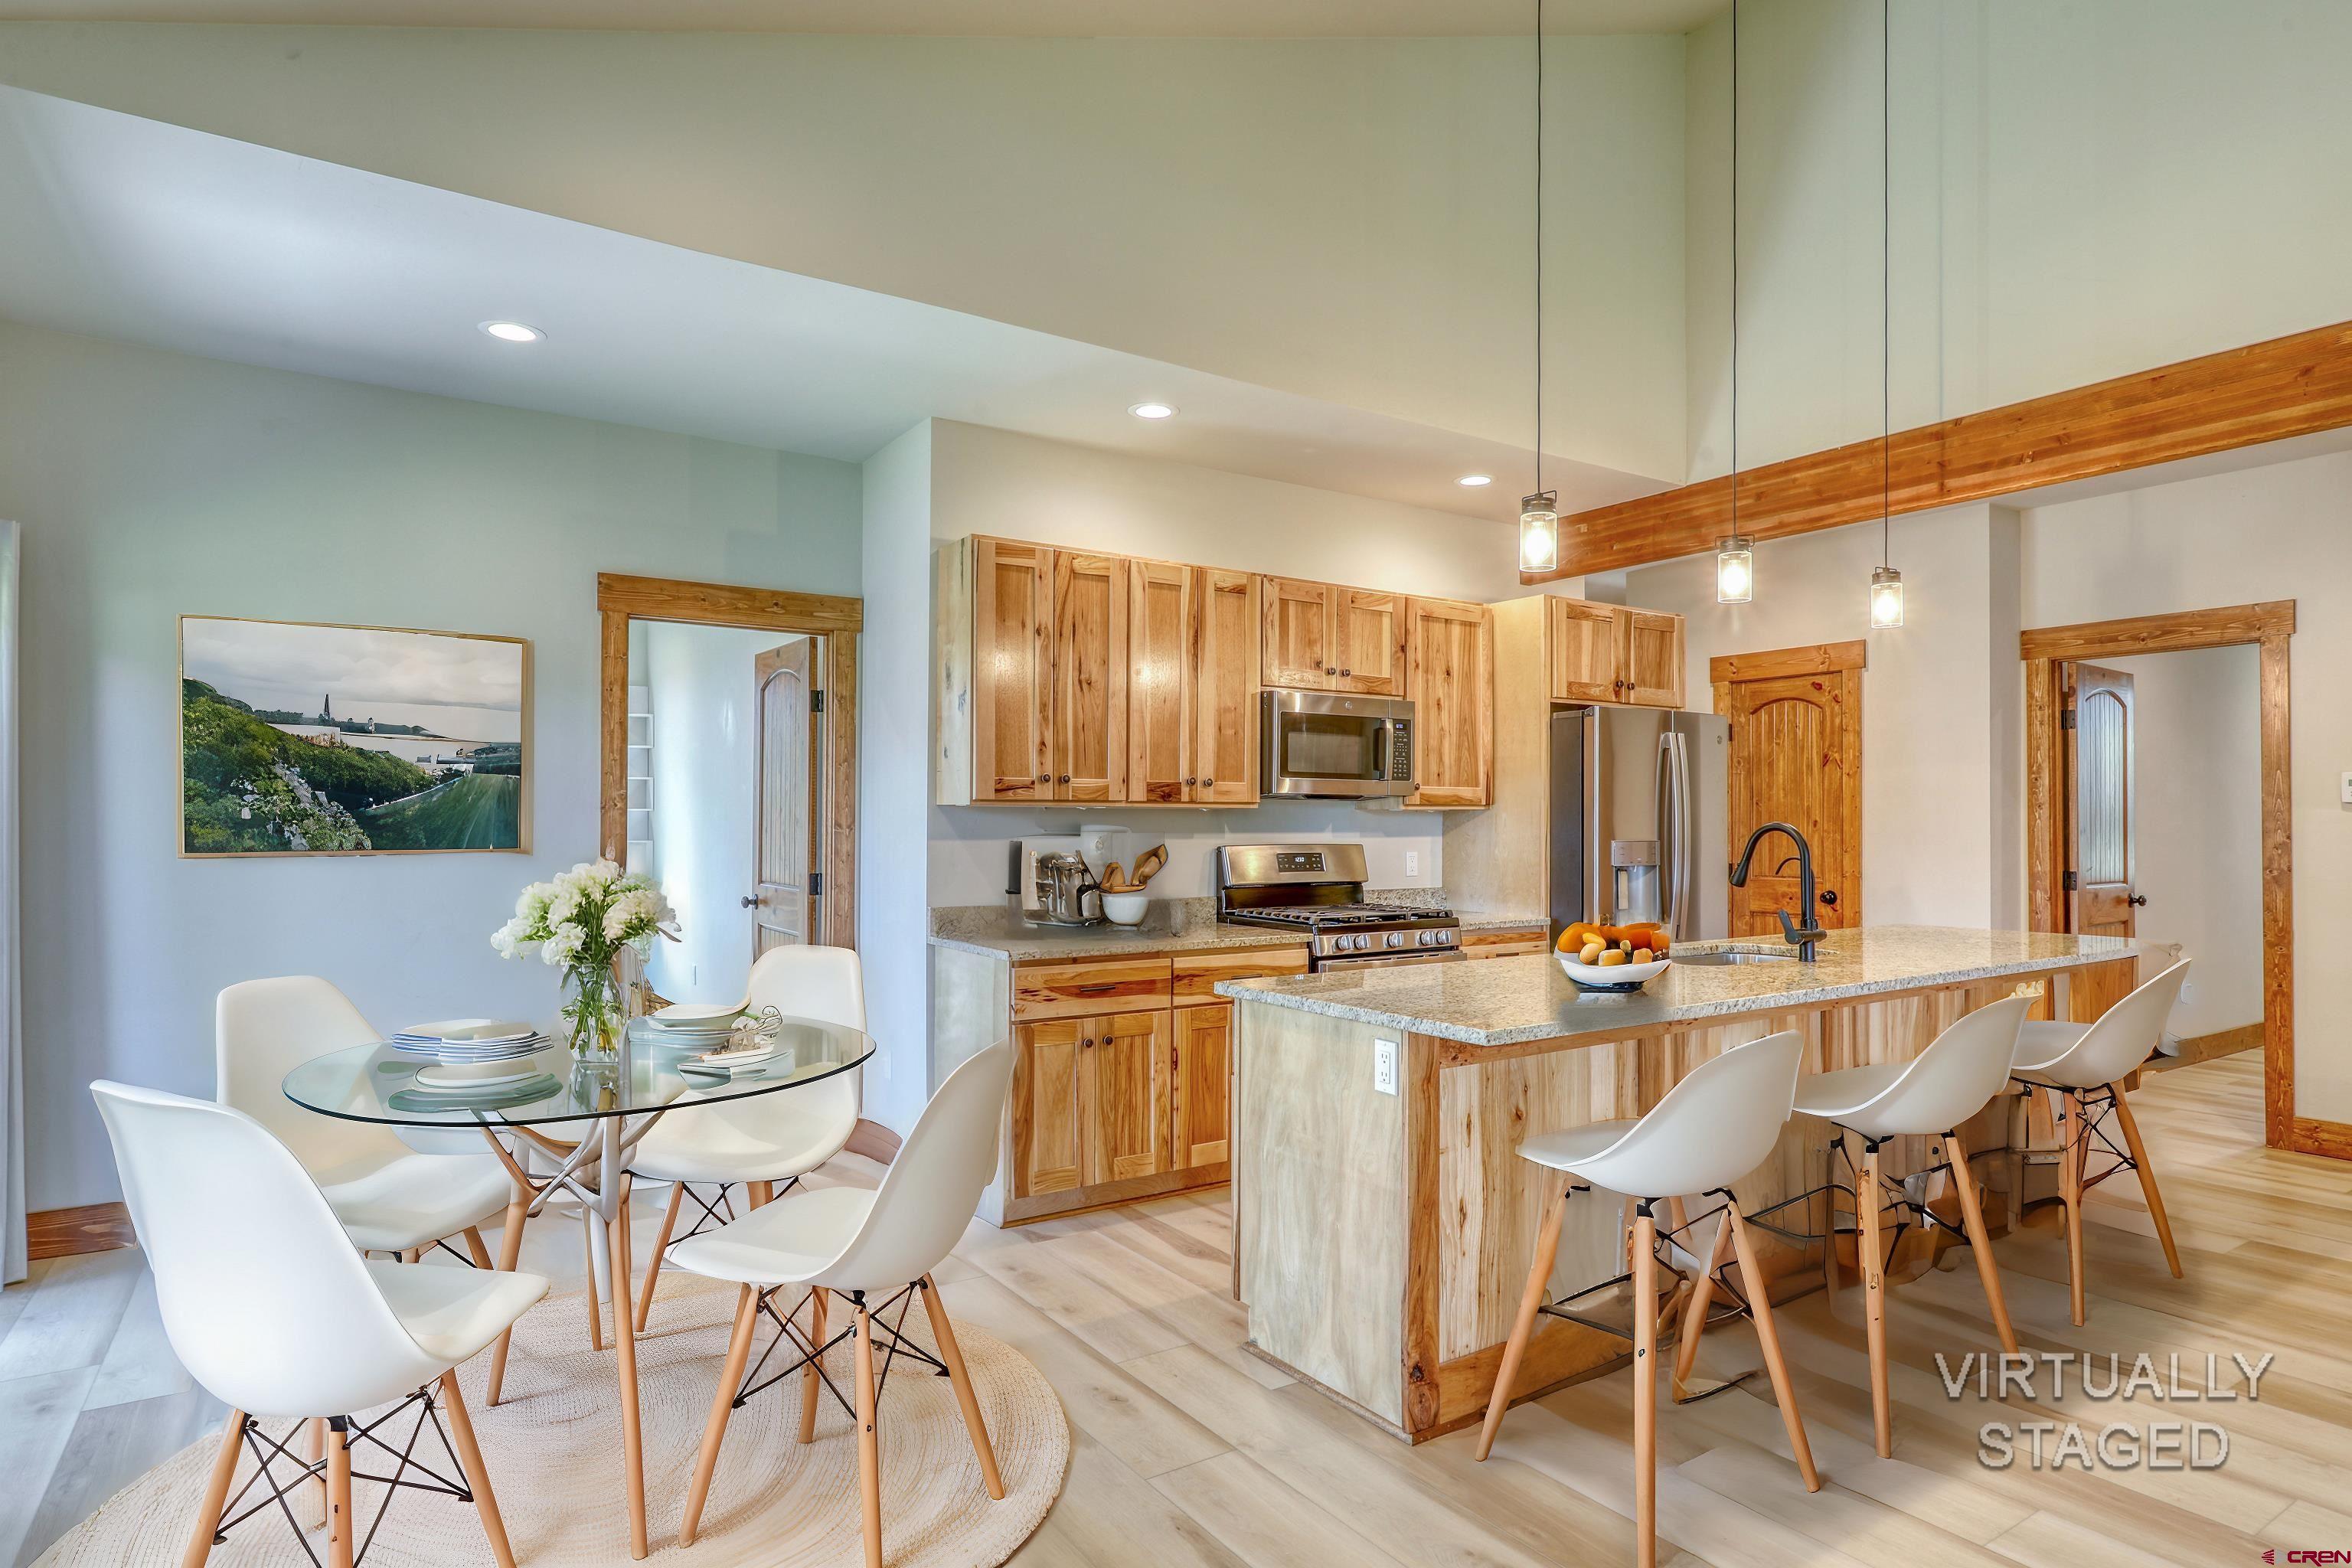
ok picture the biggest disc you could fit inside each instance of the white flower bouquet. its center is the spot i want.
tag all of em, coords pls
(579, 922)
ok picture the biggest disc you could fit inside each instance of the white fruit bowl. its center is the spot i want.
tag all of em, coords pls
(1614, 976)
(1125, 909)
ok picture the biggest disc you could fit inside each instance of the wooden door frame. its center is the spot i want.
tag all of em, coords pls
(2268, 627)
(1725, 670)
(835, 619)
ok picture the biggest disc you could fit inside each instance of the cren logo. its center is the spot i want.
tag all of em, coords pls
(2307, 1554)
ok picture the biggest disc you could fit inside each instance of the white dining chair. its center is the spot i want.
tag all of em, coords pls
(389, 1196)
(1710, 1130)
(269, 1308)
(873, 1247)
(2084, 1065)
(1929, 1096)
(766, 1141)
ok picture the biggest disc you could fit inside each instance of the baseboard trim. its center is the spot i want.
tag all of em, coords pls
(67, 1233)
(874, 1141)
(2310, 1135)
(2209, 1047)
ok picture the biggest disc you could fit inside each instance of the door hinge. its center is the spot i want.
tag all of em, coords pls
(816, 701)
(2065, 718)
(816, 883)
(2070, 882)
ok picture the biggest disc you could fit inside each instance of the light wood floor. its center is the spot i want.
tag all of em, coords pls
(1188, 1450)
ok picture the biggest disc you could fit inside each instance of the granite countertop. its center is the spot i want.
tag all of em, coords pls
(1173, 925)
(1509, 1001)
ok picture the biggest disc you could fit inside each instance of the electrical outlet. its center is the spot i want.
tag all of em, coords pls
(1384, 1065)
(2347, 789)
(1412, 857)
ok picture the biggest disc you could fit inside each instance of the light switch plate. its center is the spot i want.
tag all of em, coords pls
(2347, 789)
(1384, 1065)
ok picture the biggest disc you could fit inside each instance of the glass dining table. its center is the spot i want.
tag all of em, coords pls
(580, 1120)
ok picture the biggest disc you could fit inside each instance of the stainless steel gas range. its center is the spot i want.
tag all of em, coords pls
(1317, 889)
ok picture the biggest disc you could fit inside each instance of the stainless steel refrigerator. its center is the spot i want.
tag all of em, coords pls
(1637, 820)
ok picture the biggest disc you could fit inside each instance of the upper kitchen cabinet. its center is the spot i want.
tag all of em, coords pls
(1007, 701)
(1301, 644)
(1369, 642)
(1089, 716)
(1191, 704)
(1607, 653)
(1450, 658)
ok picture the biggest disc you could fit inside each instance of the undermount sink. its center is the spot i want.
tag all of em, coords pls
(1735, 955)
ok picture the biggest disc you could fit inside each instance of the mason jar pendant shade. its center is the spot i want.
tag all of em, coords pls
(1885, 598)
(1734, 571)
(1539, 533)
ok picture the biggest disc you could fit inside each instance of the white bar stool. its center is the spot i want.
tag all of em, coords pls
(1928, 1096)
(2084, 1065)
(1711, 1128)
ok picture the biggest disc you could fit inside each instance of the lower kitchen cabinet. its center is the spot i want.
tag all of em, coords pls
(1122, 1083)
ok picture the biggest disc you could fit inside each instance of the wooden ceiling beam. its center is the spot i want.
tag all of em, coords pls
(2240, 397)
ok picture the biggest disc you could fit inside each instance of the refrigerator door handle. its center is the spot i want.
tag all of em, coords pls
(1673, 831)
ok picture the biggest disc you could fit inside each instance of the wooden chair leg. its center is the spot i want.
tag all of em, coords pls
(722, 1403)
(313, 1508)
(340, 1522)
(1645, 1391)
(870, 1443)
(661, 1245)
(1964, 1184)
(509, 1254)
(1531, 1300)
(2070, 1188)
(1759, 1296)
(1702, 1296)
(758, 1194)
(475, 1248)
(477, 1474)
(812, 1381)
(2147, 1179)
(588, 1251)
(624, 1340)
(1830, 1270)
(966, 1395)
(1873, 1302)
(208, 1512)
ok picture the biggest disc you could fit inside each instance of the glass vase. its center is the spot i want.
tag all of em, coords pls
(594, 1007)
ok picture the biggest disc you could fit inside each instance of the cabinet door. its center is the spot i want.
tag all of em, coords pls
(1222, 769)
(1161, 611)
(1047, 1118)
(1584, 662)
(1369, 642)
(1090, 721)
(1011, 671)
(1650, 650)
(1123, 1093)
(1452, 651)
(1198, 1086)
(1298, 649)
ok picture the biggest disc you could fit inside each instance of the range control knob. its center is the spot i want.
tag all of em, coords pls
(1396, 938)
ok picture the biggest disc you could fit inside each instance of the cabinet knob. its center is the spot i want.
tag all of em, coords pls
(1347, 672)
(1212, 784)
(1044, 778)
(1066, 778)
(1329, 671)
(1189, 783)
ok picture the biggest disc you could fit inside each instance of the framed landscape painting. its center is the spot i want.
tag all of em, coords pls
(301, 739)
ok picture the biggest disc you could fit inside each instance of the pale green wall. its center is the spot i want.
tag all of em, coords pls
(152, 484)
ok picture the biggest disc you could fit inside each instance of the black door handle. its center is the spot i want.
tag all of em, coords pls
(2137, 900)
(1829, 897)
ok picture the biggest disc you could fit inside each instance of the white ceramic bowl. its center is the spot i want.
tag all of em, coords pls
(1125, 908)
(1614, 976)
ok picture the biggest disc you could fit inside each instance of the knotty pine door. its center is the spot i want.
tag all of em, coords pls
(1796, 757)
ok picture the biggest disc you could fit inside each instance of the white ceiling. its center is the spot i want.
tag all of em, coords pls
(129, 228)
(948, 18)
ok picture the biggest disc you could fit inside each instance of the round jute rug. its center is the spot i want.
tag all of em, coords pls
(553, 1449)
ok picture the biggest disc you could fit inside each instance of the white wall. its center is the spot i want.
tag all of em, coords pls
(1346, 218)
(994, 482)
(1938, 809)
(706, 792)
(2197, 837)
(152, 484)
(2284, 531)
(2080, 191)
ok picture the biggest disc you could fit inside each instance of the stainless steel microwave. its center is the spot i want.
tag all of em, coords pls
(1316, 744)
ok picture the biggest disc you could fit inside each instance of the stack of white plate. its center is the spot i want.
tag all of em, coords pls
(692, 1025)
(471, 1053)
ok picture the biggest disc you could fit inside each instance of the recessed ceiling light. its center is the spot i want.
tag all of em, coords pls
(1471, 481)
(513, 332)
(1152, 410)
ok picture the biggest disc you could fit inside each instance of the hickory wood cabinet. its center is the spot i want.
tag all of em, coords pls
(1609, 653)
(1122, 1083)
(1070, 675)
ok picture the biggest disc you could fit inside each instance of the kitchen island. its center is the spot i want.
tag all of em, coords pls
(1384, 1221)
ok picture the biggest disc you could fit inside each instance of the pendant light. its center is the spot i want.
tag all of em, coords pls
(1885, 582)
(1540, 512)
(1735, 557)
